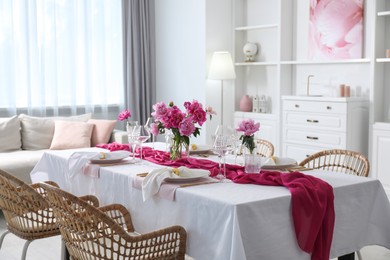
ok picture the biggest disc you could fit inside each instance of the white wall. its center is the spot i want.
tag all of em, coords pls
(180, 51)
(187, 33)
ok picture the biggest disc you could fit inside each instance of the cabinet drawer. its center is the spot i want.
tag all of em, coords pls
(315, 106)
(310, 137)
(336, 122)
(299, 153)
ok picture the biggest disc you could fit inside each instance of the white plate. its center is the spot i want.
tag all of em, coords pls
(201, 149)
(281, 163)
(193, 177)
(112, 157)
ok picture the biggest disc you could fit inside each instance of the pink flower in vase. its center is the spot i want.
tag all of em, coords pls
(187, 127)
(124, 115)
(248, 126)
(154, 129)
(210, 112)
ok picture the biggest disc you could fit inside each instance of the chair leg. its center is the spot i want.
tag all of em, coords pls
(64, 251)
(2, 237)
(359, 255)
(25, 249)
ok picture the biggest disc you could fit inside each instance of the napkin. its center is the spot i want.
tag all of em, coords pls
(152, 182)
(78, 162)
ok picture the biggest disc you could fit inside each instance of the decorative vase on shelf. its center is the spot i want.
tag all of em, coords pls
(246, 104)
(250, 50)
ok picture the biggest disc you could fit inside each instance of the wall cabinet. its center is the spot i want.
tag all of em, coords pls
(314, 124)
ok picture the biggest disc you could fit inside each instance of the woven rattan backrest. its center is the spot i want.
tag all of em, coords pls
(345, 161)
(89, 233)
(26, 211)
(264, 148)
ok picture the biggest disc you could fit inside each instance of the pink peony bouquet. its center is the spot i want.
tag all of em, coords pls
(249, 128)
(183, 124)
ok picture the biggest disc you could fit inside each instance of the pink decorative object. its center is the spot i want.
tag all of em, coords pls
(336, 29)
(246, 104)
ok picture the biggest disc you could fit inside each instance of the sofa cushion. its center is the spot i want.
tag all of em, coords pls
(10, 134)
(37, 132)
(101, 131)
(69, 135)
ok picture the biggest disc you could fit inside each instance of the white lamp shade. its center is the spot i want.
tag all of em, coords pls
(221, 66)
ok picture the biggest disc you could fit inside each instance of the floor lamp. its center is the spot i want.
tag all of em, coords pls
(221, 68)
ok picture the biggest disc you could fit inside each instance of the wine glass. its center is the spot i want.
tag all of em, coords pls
(130, 127)
(223, 143)
(141, 135)
(148, 126)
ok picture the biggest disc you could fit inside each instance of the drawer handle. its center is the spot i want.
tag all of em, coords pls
(312, 137)
(312, 121)
(296, 105)
(329, 107)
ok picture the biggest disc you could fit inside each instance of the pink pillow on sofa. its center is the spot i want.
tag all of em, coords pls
(71, 134)
(102, 131)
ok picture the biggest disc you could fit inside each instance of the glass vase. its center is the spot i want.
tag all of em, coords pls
(179, 149)
(252, 163)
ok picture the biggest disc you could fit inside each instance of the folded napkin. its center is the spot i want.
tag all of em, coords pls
(78, 162)
(152, 182)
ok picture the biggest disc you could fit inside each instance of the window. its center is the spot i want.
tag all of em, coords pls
(57, 53)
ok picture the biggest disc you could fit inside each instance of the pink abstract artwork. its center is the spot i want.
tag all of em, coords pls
(336, 29)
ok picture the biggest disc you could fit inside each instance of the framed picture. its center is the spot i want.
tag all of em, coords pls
(335, 29)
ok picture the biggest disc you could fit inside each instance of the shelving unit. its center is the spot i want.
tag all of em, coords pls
(282, 66)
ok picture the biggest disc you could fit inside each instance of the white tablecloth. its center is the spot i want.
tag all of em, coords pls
(232, 221)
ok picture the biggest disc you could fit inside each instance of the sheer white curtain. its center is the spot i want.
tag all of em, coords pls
(60, 54)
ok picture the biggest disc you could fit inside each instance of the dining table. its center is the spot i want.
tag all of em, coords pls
(226, 220)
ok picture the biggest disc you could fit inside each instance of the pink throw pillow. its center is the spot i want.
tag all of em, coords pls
(102, 130)
(71, 134)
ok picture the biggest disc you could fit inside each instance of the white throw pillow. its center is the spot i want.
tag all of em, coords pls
(37, 132)
(10, 134)
(71, 135)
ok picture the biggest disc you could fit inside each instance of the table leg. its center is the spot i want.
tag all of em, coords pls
(350, 256)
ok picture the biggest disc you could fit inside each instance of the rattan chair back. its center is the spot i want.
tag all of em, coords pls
(264, 148)
(338, 160)
(108, 233)
(25, 210)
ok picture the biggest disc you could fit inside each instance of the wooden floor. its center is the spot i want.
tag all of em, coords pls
(50, 248)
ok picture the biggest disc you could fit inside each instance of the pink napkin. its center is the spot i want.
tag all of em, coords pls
(312, 199)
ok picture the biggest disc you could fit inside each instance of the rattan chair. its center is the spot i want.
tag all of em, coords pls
(345, 161)
(264, 148)
(26, 210)
(108, 233)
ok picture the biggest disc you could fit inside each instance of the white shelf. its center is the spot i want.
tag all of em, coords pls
(256, 63)
(325, 62)
(382, 60)
(256, 27)
(384, 13)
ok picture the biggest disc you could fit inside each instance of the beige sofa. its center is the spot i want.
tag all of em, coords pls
(24, 139)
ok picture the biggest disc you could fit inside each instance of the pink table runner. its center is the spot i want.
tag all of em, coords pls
(312, 199)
